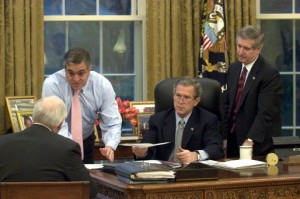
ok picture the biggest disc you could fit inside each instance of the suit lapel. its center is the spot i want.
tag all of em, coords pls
(250, 80)
(189, 129)
(169, 128)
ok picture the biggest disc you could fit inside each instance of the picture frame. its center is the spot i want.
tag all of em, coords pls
(25, 119)
(143, 106)
(143, 123)
(17, 104)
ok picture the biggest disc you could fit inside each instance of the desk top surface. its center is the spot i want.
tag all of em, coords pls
(253, 177)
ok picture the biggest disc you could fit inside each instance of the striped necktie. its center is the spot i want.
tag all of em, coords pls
(239, 92)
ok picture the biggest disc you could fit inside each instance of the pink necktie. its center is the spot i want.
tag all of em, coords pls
(239, 92)
(76, 121)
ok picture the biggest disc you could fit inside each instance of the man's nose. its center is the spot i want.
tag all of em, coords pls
(76, 77)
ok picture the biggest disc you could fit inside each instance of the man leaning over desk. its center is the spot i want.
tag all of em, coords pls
(96, 98)
(200, 138)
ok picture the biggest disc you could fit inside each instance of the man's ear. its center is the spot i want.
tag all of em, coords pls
(197, 100)
(56, 129)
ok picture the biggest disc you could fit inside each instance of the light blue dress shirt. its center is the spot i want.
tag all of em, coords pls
(97, 96)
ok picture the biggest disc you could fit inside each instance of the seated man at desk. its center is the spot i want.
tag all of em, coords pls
(39, 154)
(192, 131)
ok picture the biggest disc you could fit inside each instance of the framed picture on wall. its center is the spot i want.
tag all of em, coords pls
(143, 106)
(19, 105)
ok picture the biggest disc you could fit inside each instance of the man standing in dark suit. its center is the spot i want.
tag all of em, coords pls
(252, 105)
(39, 154)
(200, 137)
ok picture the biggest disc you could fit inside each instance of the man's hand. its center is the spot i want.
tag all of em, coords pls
(186, 156)
(139, 152)
(247, 142)
(108, 152)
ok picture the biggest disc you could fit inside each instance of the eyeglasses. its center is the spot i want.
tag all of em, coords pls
(183, 98)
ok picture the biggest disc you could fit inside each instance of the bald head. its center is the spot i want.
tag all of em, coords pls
(50, 111)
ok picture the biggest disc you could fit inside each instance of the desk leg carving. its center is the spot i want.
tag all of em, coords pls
(188, 195)
(275, 192)
(210, 195)
(110, 193)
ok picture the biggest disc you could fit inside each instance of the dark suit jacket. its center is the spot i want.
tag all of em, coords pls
(37, 154)
(258, 114)
(200, 133)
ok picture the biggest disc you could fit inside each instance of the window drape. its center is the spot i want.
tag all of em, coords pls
(173, 33)
(238, 13)
(21, 52)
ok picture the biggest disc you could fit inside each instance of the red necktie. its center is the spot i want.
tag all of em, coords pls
(238, 96)
(76, 121)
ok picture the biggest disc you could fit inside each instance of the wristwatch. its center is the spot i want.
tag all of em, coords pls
(198, 155)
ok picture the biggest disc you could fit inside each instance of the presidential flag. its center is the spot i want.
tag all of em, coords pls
(212, 43)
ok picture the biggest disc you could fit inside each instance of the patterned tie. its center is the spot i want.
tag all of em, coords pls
(238, 96)
(178, 137)
(76, 121)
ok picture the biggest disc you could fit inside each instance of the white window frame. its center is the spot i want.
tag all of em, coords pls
(138, 14)
(285, 16)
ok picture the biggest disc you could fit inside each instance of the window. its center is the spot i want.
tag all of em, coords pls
(112, 31)
(280, 21)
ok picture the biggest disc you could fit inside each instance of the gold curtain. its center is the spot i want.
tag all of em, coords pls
(238, 13)
(173, 34)
(21, 52)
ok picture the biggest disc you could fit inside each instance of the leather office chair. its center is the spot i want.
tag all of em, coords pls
(211, 99)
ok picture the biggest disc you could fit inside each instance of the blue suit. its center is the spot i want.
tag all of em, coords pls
(200, 133)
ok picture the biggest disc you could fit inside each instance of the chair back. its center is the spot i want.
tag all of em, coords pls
(45, 190)
(211, 99)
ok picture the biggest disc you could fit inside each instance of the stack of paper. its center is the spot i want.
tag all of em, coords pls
(236, 164)
(144, 172)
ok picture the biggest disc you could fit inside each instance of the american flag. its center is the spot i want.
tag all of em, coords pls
(212, 43)
(206, 42)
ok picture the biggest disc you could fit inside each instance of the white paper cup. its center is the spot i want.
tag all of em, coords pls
(246, 152)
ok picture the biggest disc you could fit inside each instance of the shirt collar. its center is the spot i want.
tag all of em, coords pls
(249, 66)
(186, 118)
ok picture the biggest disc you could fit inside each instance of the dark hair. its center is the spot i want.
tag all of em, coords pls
(252, 33)
(76, 56)
(188, 81)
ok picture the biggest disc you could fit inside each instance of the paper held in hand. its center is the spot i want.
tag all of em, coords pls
(143, 145)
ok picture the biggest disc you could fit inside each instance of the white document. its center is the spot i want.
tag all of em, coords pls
(93, 166)
(155, 175)
(236, 164)
(143, 145)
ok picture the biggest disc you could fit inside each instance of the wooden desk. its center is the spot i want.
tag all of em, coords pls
(236, 185)
(122, 152)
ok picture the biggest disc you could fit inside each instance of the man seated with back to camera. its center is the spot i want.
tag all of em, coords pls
(200, 139)
(39, 154)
